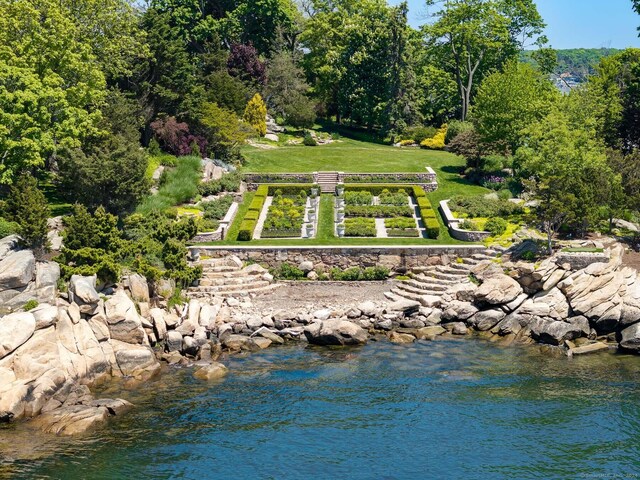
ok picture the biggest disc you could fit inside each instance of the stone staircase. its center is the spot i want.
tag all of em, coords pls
(434, 280)
(327, 181)
(226, 277)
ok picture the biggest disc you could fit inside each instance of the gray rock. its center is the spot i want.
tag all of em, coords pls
(397, 337)
(486, 320)
(7, 245)
(215, 371)
(368, 309)
(240, 342)
(47, 274)
(138, 287)
(123, 319)
(335, 332)
(323, 314)
(269, 335)
(406, 307)
(17, 269)
(497, 290)
(457, 310)
(306, 266)
(384, 324)
(556, 332)
(82, 290)
(135, 360)
(15, 330)
(173, 341)
(45, 315)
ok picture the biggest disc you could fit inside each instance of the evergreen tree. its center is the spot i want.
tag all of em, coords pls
(256, 114)
(28, 207)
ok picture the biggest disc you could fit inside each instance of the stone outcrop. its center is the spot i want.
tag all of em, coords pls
(335, 332)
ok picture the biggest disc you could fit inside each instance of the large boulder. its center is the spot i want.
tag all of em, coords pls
(630, 338)
(123, 319)
(138, 287)
(457, 310)
(15, 330)
(486, 320)
(335, 332)
(135, 360)
(556, 332)
(17, 269)
(405, 307)
(498, 289)
(82, 291)
(215, 371)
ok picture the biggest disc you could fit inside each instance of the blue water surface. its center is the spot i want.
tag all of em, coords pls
(463, 409)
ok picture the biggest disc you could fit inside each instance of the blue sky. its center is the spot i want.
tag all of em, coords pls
(574, 23)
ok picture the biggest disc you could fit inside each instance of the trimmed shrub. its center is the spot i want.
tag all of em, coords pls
(432, 227)
(418, 192)
(374, 211)
(437, 142)
(359, 227)
(252, 215)
(374, 188)
(496, 225)
(287, 188)
(246, 230)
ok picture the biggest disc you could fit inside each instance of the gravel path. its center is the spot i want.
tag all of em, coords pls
(263, 216)
(322, 294)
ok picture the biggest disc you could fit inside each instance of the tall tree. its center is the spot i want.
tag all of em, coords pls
(51, 86)
(507, 102)
(474, 36)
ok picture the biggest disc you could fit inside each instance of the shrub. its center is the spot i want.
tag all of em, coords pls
(437, 141)
(455, 127)
(419, 133)
(217, 209)
(28, 207)
(388, 198)
(309, 141)
(246, 230)
(432, 227)
(227, 183)
(360, 227)
(375, 211)
(30, 305)
(288, 272)
(255, 114)
(496, 225)
(468, 225)
(402, 232)
(286, 189)
(358, 198)
(481, 206)
(8, 228)
(399, 223)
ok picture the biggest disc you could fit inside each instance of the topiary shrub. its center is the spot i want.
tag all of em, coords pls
(496, 225)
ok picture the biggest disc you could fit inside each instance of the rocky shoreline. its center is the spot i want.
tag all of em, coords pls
(52, 354)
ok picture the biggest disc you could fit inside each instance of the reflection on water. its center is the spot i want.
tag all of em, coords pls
(443, 409)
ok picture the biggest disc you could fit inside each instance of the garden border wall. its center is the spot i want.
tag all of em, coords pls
(398, 258)
(458, 233)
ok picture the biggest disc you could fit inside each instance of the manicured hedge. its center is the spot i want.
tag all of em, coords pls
(252, 215)
(428, 214)
(262, 191)
(375, 188)
(375, 211)
(246, 230)
(418, 192)
(291, 188)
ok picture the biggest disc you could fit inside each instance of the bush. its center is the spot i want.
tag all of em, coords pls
(376, 211)
(217, 209)
(246, 230)
(399, 223)
(374, 188)
(456, 127)
(286, 189)
(8, 228)
(437, 141)
(28, 207)
(388, 198)
(359, 227)
(255, 114)
(468, 225)
(354, 274)
(496, 225)
(288, 272)
(30, 305)
(358, 198)
(228, 183)
(432, 227)
(420, 133)
(309, 141)
(481, 206)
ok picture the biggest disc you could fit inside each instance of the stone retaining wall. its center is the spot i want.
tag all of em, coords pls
(394, 258)
(458, 233)
(580, 260)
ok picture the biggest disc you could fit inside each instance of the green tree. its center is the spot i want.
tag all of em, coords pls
(559, 162)
(255, 114)
(51, 86)
(470, 37)
(287, 88)
(108, 172)
(509, 101)
(27, 206)
(223, 129)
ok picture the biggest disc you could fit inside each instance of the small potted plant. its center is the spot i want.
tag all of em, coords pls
(312, 214)
(340, 216)
(309, 228)
(340, 229)
(314, 192)
(340, 190)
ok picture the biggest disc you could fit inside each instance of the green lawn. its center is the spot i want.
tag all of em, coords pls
(350, 155)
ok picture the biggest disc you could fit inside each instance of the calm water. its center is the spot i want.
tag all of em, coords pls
(445, 409)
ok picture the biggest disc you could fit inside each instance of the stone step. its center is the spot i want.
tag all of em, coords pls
(463, 267)
(426, 285)
(218, 269)
(218, 282)
(220, 274)
(419, 291)
(221, 262)
(226, 288)
(417, 297)
(240, 292)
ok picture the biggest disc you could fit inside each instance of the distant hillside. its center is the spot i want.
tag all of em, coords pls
(578, 62)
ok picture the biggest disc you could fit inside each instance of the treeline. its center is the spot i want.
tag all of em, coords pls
(578, 62)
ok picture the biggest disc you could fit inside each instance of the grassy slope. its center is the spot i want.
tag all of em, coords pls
(180, 186)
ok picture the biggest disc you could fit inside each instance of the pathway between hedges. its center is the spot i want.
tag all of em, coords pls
(261, 219)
